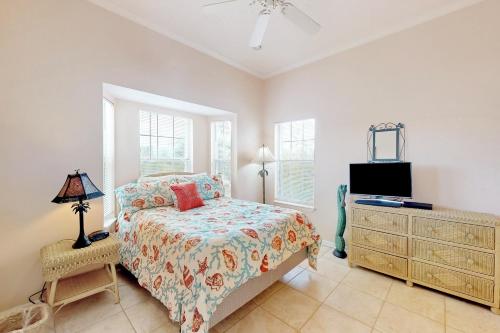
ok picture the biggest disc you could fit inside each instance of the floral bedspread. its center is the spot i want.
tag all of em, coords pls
(192, 260)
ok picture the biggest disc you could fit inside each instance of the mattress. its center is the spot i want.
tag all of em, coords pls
(192, 260)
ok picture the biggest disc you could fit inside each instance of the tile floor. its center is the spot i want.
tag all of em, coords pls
(333, 299)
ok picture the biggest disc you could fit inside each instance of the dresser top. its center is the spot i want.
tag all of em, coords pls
(483, 219)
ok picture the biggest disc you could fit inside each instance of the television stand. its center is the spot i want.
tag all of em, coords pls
(379, 202)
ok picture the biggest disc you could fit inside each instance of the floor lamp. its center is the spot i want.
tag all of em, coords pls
(264, 156)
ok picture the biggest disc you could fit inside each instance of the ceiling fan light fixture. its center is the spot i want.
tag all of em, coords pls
(288, 10)
(260, 30)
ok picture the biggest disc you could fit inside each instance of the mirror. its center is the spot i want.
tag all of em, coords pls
(386, 143)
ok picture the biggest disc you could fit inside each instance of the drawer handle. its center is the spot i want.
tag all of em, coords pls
(471, 236)
(365, 237)
(430, 229)
(362, 257)
(468, 286)
(390, 265)
(470, 261)
(365, 218)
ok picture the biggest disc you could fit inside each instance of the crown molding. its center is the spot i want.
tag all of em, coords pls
(458, 5)
(117, 10)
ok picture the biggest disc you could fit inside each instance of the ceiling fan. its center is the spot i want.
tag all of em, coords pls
(292, 13)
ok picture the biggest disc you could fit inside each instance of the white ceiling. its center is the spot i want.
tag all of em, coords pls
(224, 33)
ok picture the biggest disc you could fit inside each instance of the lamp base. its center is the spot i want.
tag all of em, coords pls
(339, 254)
(81, 242)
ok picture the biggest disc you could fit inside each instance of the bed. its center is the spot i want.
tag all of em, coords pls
(204, 263)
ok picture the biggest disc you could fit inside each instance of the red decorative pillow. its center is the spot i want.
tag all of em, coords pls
(187, 196)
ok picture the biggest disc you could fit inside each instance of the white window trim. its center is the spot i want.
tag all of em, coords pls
(277, 200)
(189, 141)
(292, 204)
(212, 150)
(109, 218)
(109, 221)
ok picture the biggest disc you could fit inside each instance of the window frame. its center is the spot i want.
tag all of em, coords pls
(278, 148)
(110, 217)
(213, 149)
(188, 144)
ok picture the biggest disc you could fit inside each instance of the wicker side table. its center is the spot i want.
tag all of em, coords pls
(60, 259)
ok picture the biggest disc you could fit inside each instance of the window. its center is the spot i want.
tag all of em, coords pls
(166, 143)
(221, 152)
(108, 160)
(295, 162)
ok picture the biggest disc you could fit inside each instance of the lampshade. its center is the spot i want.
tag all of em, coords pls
(77, 187)
(264, 155)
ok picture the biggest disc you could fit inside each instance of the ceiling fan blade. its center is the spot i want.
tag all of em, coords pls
(260, 30)
(301, 19)
(216, 3)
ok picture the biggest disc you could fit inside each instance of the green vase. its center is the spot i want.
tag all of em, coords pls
(339, 251)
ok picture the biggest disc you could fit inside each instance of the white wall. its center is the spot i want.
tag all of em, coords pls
(441, 79)
(127, 149)
(55, 56)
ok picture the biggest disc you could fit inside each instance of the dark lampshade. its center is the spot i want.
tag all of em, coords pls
(76, 188)
(79, 187)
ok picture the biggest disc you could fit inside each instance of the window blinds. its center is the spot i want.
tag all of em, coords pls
(221, 152)
(165, 143)
(295, 162)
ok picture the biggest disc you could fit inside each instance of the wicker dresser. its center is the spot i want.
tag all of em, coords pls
(452, 251)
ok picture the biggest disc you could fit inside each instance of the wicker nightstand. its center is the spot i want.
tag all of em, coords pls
(60, 259)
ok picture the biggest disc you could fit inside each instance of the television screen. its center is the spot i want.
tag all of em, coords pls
(383, 179)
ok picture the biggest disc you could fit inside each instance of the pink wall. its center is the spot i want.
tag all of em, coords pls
(441, 79)
(54, 57)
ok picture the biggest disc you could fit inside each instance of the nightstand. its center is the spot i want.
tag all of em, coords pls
(60, 259)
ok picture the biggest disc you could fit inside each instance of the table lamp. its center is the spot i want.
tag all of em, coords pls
(264, 156)
(78, 187)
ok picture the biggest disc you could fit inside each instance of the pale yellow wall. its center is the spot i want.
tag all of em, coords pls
(441, 79)
(54, 57)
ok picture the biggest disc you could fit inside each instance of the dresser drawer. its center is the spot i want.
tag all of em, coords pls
(454, 281)
(381, 241)
(460, 233)
(474, 261)
(384, 221)
(379, 261)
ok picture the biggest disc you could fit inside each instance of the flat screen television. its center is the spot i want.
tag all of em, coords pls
(381, 179)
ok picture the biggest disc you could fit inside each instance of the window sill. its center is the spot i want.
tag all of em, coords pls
(108, 222)
(296, 205)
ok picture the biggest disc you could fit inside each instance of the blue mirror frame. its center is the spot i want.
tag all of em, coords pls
(399, 143)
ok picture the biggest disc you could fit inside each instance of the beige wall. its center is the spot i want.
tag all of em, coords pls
(55, 56)
(440, 79)
(127, 149)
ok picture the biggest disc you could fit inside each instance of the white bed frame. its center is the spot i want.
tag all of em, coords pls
(253, 287)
